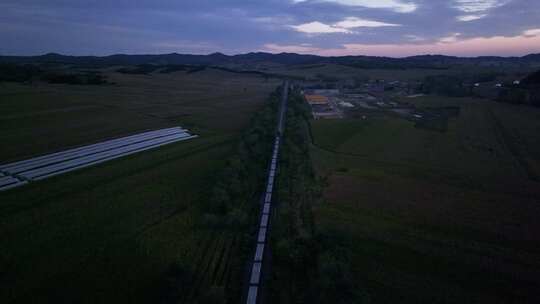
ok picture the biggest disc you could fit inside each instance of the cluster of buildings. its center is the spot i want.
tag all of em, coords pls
(323, 103)
(346, 101)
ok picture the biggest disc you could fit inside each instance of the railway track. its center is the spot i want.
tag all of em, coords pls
(256, 263)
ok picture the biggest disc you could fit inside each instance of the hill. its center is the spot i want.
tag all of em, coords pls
(423, 61)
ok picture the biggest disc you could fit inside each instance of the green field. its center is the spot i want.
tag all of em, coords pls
(343, 72)
(346, 72)
(129, 230)
(41, 118)
(436, 217)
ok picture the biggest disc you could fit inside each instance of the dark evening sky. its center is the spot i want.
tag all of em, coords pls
(326, 27)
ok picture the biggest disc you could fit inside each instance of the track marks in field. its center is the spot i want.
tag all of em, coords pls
(511, 143)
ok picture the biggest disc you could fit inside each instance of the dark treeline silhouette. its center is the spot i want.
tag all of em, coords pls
(26, 73)
(423, 61)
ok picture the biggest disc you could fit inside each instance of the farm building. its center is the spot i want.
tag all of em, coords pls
(316, 99)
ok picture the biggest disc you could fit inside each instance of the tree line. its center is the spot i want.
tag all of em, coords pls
(310, 264)
(527, 91)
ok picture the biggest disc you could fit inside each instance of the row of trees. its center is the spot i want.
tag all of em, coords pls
(294, 265)
(446, 85)
(232, 204)
(244, 176)
(230, 207)
(310, 264)
(456, 86)
(28, 73)
(18, 73)
(527, 92)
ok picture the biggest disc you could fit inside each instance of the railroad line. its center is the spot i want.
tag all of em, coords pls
(256, 264)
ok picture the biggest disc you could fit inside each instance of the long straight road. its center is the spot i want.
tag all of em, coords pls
(256, 263)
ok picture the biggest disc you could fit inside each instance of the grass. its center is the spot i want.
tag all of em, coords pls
(39, 118)
(110, 233)
(346, 72)
(343, 72)
(436, 217)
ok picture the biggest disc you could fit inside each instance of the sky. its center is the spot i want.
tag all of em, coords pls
(395, 28)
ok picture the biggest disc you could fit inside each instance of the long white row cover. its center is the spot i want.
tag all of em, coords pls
(41, 161)
(7, 180)
(84, 152)
(17, 183)
(84, 147)
(97, 158)
(37, 168)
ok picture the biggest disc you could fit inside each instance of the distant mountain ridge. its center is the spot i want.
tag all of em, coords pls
(427, 61)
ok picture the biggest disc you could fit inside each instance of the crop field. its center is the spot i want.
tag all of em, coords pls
(438, 217)
(41, 118)
(346, 72)
(336, 71)
(130, 230)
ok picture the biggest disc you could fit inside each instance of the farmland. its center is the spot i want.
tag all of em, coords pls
(41, 118)
(131, 230)
(439, 217)
(347, 72)
(404, 197)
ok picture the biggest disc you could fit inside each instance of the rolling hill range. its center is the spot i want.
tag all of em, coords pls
(423, 61)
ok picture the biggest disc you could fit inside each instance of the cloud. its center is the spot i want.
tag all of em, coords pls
(353, 22)
(413, 38)
(81, 27)
(300, 49)
(449, 39)
(199, 47)
(476, 6)
(532, 33)
(317, 27)
(467, 47)
(345, 26)
(479, 46)
(476, 9)
(467, 18)
(395, 5)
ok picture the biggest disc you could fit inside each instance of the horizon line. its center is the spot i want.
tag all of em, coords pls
(266, 52)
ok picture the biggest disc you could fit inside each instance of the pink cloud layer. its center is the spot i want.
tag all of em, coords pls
(496, 46)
